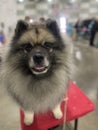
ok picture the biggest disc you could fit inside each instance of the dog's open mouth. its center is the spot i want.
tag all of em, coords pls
(39, 69)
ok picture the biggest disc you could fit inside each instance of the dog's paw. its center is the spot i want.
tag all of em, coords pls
(28, 120)
(58, 114)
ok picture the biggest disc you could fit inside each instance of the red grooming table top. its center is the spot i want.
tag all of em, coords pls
(78, 105)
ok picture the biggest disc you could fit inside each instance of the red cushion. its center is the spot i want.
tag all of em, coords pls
(78, 105)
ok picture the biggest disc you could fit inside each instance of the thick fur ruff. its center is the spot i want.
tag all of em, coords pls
(37, 94)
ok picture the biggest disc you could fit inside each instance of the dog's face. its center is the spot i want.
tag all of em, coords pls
(34, 47)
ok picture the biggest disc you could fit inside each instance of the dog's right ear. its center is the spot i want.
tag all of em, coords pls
(21, 27)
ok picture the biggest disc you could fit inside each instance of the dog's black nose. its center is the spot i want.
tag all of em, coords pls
(38, 58)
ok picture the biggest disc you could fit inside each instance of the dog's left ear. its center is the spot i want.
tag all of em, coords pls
(53, 27)
(21, 27)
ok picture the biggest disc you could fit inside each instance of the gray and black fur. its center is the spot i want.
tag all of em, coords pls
(37, 92)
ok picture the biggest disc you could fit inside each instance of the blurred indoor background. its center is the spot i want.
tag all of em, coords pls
(70, 10)
(77, 18)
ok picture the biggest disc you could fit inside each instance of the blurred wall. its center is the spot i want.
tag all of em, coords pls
(56, 8)
(88, 8)
(8, 13)
(12, 10)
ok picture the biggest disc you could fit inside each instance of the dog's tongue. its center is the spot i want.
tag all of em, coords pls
(39, 67)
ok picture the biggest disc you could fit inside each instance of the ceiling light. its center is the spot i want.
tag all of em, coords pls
(49, 0)
(73, 1)
(31, 21)
(20, 1)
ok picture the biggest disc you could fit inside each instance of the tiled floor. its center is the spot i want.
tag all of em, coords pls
(87, 79)
(86, 76)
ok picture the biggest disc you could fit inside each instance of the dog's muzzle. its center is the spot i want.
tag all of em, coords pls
(39, 63)
(38, 58)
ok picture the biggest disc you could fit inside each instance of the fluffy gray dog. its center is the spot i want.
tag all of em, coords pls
(36, 69)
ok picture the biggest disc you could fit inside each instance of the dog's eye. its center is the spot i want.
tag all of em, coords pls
(27, 47)
(47, 45)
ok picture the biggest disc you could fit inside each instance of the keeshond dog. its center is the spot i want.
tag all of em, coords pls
(36, 68)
